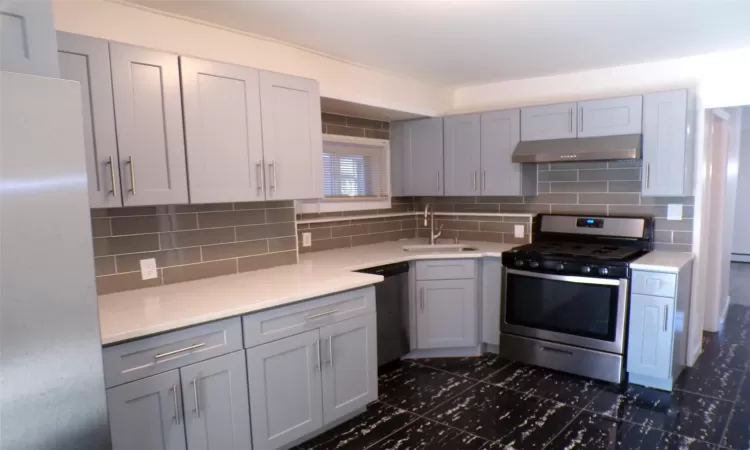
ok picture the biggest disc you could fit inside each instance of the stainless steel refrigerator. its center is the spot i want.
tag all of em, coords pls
(51, 380)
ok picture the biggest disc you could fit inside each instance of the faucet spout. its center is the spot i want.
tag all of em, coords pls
(429, 212)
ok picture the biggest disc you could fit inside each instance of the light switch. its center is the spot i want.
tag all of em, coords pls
(674, 212)
(148, 269)
(518, 231)
(306, 239)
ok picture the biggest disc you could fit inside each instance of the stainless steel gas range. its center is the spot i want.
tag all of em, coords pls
(565, 297)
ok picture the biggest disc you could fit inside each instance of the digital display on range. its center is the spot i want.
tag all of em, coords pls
(587, 222)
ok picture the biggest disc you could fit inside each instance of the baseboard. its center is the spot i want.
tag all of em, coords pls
(460, 352)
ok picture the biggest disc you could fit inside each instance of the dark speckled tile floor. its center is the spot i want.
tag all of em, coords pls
(489, 403)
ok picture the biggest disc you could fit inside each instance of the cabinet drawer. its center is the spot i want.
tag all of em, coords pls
(286, 321)
(446, 269)
(157, 354)
(654, 283)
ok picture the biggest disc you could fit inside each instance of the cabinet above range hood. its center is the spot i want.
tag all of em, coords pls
(579, 149)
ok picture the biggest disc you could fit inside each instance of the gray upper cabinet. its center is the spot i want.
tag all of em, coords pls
(667, 157)
(397, 158)
(285, 389)
(610, 117)
(462, 154)
(423, 157)
(86, 60)
(147, 414)
(150, 138)
(292, 137)
(217, 415)
(500, 134)
(350, 366)
(28, 43)
(549, 122)
(222, 131)
(446, 313)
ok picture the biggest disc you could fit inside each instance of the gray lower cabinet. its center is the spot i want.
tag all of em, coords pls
(285, 389)
(549, 122)
(491, 292)
(423, 157)
(148, 111)
(147, 414)
(667, 156)
(350, 371)
(222, 131)
(217, 415)
(446, 313)
(650, 338)
(292, 136)
(462, 148)
(86, 60)
(27, 38)
(610, 117)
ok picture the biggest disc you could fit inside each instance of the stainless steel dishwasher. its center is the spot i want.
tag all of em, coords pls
(392, 303)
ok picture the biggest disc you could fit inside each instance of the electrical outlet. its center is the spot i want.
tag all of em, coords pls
(148, 269)
(518, 231)
(306, 239)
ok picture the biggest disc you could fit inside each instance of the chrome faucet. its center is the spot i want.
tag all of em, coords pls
(429, 211)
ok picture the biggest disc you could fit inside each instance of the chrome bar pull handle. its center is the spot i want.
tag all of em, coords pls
(259, 175)
(174, 352)
(421, 299)
(132, 174)
(272, 168)
(570, 119)
(327, 313)
(666, 316)
(330, 350)
(648, 175)
(320, 367)
(112, 176)
(475, 180)
(580, 119)
(197, 398)
(176, 406)
(484, 180)
(437, 181)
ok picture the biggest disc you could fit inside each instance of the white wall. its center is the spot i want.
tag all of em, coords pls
(741, 236)
(339, 80)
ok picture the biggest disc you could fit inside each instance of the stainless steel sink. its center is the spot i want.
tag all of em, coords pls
(439, 248)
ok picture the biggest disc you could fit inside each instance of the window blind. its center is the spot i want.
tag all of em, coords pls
(354, 170)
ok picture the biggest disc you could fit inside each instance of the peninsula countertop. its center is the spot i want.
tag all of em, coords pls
(143, 312)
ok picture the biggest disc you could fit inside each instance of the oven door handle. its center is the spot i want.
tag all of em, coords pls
(568, 278)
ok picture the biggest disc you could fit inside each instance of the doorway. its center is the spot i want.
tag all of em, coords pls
(739, 272)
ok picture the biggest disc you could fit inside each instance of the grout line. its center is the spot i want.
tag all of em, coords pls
(567, 425)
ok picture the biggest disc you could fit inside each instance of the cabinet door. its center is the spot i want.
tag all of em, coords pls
(86, 60)
(423, 157)
(650, 335)
(350, 374)
(539, 123)
(491, 291)
(397, 158)
(27, 38)
(292, 137)
(665, 159)
(147, 414)
(610, 117)
(462, 154)
(285, 390)
(446, 314)
(501, 133)
(148, 115)
(222, 131)
(217, 403)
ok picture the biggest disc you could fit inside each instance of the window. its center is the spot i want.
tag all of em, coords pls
(355, 175)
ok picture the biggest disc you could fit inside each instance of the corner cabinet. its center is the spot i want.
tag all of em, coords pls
(667, 152)
(148, 108)
(86, 60)
(27, 38)
(423, 157)
(292, 136)
(657, 334)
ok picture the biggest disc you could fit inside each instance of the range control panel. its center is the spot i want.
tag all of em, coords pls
(562, 267)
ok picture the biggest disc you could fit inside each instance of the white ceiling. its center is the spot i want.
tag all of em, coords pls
(455, 42)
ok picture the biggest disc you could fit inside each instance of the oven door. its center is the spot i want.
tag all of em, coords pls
(581, 311)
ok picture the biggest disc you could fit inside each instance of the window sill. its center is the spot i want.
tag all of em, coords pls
(339, 205)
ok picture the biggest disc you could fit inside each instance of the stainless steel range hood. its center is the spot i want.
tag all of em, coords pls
(579, 149)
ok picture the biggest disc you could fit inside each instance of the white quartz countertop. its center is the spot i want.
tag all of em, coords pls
(134, 314)
(662, 261)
